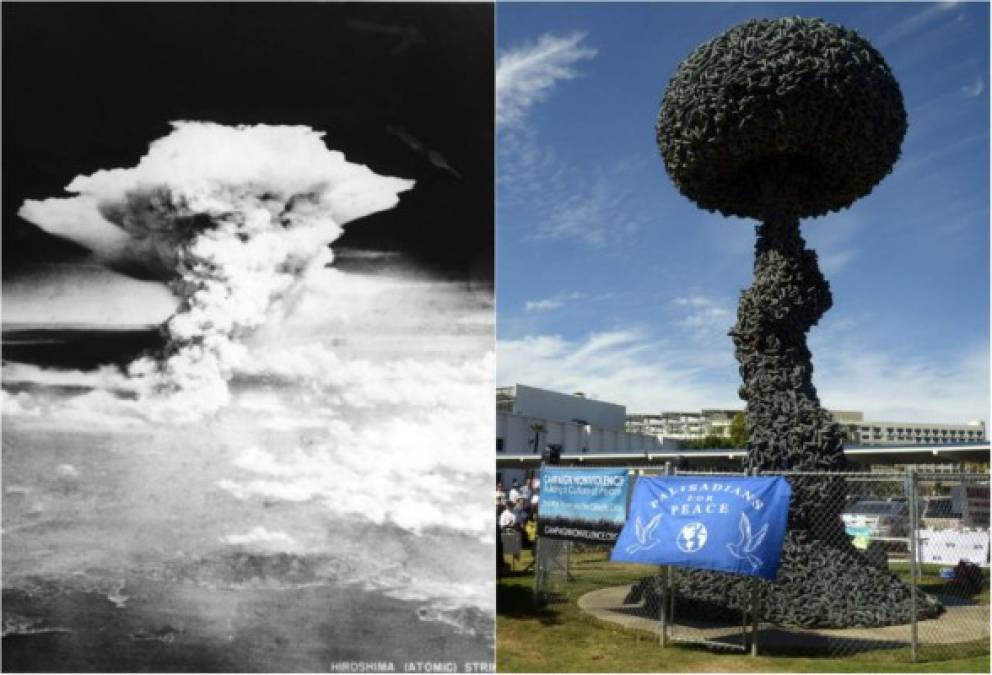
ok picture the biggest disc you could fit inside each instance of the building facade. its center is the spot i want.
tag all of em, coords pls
(529, 419)
(716, 422)
(913, 433)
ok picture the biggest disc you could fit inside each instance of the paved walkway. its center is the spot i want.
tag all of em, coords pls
(961, 622)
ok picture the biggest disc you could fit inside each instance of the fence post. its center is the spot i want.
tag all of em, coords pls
(538, 572)
(568, 561)
(755, 610)
(755, 599)
(914, 560)
(663, 608)
(666, 590)
(539, 566)
(670, 604)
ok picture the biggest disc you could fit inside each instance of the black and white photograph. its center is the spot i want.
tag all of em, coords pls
(248, 340)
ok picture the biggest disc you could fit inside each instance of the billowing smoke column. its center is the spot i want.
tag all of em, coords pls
(235, 219)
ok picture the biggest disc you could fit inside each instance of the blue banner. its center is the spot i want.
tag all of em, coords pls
(588, 505)
(720, 523)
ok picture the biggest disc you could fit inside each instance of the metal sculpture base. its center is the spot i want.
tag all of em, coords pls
(818, 586)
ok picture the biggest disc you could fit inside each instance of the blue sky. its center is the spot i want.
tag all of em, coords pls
(611, 283)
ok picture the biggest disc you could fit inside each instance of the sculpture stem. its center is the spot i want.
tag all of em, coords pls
(787, 428)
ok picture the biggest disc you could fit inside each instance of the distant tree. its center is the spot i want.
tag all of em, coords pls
(738, 431)
(710, 442)
(736, 439)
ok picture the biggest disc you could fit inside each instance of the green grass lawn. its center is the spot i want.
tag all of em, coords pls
(562, 638)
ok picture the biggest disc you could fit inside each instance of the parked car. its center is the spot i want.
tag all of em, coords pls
(939, 514)
(876, 518)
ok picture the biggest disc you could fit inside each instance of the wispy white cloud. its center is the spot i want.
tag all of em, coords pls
(916, 22)
(833, 240)
(595, 212)
(625, 366)
(565, 204)
(525, 75)
(886, 385)
(646, 373)
(835, 261)
(528, 170)
(545, 305)
(974, 89)
(552, 303)
(703, 316)
(922, 160)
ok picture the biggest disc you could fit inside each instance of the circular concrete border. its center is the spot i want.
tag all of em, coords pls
(960, 623)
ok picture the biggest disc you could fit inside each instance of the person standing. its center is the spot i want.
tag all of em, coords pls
(520, 513)
(506, 517)
(525, 491)
(514, 491)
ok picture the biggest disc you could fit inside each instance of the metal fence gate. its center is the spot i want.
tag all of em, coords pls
(551, 558)
(952, 527)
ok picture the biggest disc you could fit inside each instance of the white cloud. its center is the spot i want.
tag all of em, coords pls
(545, 305)
(646, 373)
(625, 366)
(84, 295)
(922, 161)
(704, 316)
(262, 538)
(525, 75)
(974, 89)
(915, 22)
(832, 239)
(564, 204)
(952, 388)
(835, 261)
(552, 303)
(19, 405)
(593, 212)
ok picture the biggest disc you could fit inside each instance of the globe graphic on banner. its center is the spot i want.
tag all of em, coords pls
(692, 537)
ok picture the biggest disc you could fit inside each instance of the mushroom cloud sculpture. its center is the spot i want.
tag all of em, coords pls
(775, 120)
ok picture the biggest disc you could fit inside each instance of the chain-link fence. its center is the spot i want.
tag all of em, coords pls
(853, 578)
(952, 553)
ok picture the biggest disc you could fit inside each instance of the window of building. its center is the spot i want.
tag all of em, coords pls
(499, 445)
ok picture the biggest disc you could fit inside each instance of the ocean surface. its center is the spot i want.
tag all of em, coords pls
(337, 509)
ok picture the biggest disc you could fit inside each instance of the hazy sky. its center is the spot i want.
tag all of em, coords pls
(610, 282)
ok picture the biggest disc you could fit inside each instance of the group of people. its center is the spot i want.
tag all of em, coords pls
(516, 511)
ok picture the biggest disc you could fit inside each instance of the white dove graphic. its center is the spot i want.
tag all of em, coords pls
(643, 534)
(744, 548)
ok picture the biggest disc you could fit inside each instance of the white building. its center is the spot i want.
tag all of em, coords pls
(913, 433)
(529, 419)
(683, 425)
(857, 431)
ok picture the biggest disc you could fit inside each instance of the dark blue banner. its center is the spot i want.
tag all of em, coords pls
(587, 505)
(730, 524)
